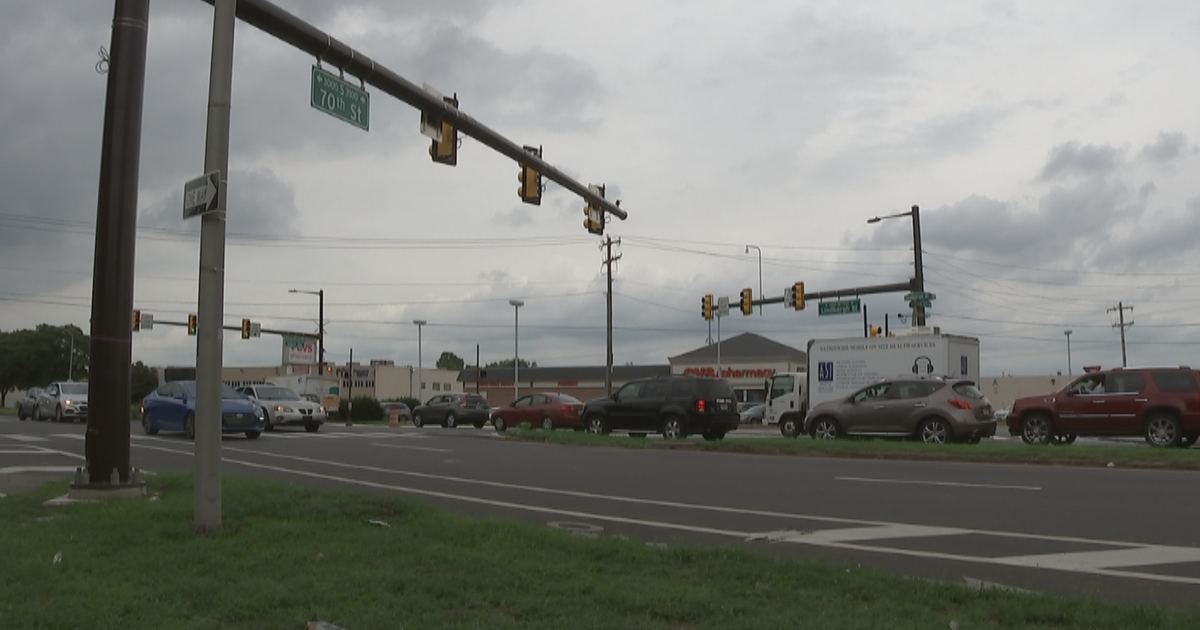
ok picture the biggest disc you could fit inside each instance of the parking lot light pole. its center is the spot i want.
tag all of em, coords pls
(1068, 334)
(420, 370)
(320, 327)
(71, 354)
(760, 289)
(919, 267)
(517, 304)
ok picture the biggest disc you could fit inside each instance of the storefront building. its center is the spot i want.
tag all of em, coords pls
(746, 361)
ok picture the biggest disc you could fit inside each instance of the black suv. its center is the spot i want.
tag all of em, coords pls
(451, 409)
(1161, 404)
(675, 406)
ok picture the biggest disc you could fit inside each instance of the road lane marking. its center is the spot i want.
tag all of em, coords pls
(23, 438)
(9, 470)
(818, 538)
(1109, 558)
(413, 448)
(956, 484)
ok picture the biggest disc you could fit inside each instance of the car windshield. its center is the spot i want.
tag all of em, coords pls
(276, 393)
(74, 389)
(226, 391)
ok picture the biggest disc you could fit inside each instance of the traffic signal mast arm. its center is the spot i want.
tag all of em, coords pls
(838, 293)
(278, 23)
(238, 327)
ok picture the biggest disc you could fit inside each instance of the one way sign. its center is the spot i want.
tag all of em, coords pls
(200, 195)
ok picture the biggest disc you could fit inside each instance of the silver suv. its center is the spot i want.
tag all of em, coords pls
(932, 409)
(63, 401)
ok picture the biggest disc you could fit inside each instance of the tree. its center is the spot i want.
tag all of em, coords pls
(143, 380)
(450, 361)
(32, 358)
(507, 363)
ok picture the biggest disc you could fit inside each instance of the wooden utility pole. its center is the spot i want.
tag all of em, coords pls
(1120, 308)
(608, 262)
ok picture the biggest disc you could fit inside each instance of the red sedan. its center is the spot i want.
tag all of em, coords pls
(548, 410)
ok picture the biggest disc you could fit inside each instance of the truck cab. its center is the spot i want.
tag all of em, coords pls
(787, 401)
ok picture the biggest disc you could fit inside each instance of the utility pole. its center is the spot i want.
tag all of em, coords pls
(1120, 308)
(608, 263)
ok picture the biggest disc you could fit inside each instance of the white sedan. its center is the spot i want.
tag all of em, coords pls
(283, 407)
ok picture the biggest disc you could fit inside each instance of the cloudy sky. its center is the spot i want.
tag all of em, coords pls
(1053, 149)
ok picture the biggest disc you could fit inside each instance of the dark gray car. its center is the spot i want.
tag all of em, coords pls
(451, 410)
(28, 405)
(932, 409)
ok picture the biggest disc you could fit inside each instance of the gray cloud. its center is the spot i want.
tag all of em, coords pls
(1087, 160)
(1165, 149)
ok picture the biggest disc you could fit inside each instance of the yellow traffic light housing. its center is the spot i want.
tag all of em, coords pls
(137, 320)
(530, 189)
(706, 304)
(445, 151)
(594, 221)
(799, 289)
(747, 301)
(873, 330)
(245, 328)
(191, 324)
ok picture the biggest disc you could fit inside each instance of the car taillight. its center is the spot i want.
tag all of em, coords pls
(961, 404)
(565, 408)
(700, 406)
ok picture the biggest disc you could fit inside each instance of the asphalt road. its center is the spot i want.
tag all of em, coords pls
(1128, 535)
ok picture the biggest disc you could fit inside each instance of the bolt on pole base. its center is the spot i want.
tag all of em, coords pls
(83, 490)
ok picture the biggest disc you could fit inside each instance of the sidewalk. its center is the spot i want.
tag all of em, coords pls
(15, 479)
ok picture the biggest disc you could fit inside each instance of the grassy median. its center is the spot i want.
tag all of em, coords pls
(1015, 452)
(288, 552)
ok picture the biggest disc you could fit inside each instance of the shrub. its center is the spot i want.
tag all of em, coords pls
(365, 408)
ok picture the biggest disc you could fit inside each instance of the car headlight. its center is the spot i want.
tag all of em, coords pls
(258, 413)
(321, 409)
(67, 401)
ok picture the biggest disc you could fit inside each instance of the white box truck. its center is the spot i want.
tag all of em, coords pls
(325, 388)
(838, 367)
(787, 402)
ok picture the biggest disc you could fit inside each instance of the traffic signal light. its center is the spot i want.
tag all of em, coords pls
(530, 189)
(747, 301)
(706, 306)
(799, 299)
(595, 215)
(445, 151)
(245, 328)
(137, 320)
(192, 324)
(873, 330)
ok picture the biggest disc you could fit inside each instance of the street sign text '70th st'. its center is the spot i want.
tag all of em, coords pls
(200, 195)
(340, 99)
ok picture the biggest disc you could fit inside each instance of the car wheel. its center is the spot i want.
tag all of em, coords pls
(451, 421)
(147, 425)
(498, 423)
(37, 414)
(935, 431)
(713, 436)
(1163, 430)
(58, 417)
(1036, 429)
(253, 435)
(672, 428)
(597, 425)
(789, 427)
(547, 423)
(1189, 439)
(189, 426)
(418, 421)
(20, 415)
(1065, 439)
(267, 420)
(312, 428)
(825, 428)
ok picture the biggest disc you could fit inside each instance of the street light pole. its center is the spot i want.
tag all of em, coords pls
(420, 369)
(517, 304)
(320, 293)
(919, 266)
(71, 355)
(760, 289)
(1068, 334)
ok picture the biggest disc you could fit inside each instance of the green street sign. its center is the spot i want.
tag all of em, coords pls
(340, 99)
(841, 307)
(919, 295)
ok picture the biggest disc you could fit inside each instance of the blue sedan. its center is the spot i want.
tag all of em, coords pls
(172, 407)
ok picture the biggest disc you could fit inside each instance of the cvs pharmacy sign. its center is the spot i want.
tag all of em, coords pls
(731, 372)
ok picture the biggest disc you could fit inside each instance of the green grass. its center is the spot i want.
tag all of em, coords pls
(1125, 456)
(287, 552)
